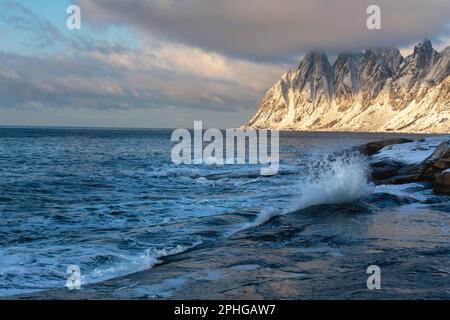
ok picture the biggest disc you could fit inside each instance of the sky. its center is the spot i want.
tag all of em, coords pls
(166, 63)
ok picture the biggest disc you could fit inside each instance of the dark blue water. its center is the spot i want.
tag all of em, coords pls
(112, 202)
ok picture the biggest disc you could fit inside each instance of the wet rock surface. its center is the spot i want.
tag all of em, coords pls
(442, 183)
(321, 252)
(431, 170)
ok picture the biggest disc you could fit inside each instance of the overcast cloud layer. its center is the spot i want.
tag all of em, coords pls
(261, 29)
(194, 60)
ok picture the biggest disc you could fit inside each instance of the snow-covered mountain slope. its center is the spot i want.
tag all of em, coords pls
(377, 90)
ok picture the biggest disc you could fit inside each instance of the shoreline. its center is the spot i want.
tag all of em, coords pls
(350, 132)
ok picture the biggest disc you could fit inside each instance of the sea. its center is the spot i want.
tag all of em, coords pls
(111, 202)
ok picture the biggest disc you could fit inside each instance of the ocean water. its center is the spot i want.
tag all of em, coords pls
(112, 202)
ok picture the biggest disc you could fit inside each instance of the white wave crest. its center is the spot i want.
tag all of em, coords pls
(332, 179)
(131, 264)
(335, 180)
(178, 172)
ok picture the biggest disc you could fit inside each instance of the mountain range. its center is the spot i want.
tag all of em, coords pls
(377, 90)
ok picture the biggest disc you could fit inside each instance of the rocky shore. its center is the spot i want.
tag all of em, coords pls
(434, 169)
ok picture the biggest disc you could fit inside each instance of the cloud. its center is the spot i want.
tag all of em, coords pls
(196, 59)
(94, 73)
(132, 79)
(275, 30)
(19, 18)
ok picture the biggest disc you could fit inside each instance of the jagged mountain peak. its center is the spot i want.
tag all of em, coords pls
(425, 47)
(445, 51)
(423, 51)
(315, 61)
(315, 57)
(374, 90)
(422, 59)
(314, 77)
(441, 67)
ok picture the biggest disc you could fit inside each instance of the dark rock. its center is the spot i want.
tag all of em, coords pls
(442, 183)
(385, 169)
(373, 147)
(428, 170)
(387, 200)
(444, 207)
(401, 179)
(436, 163)
(431, 170)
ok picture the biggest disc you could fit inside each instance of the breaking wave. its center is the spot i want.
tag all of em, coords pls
(332, 179)
(131, 264)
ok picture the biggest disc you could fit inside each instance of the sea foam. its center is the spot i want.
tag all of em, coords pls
(335, 180)
(331, 179)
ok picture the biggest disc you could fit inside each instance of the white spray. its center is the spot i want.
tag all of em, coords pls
(332, 179)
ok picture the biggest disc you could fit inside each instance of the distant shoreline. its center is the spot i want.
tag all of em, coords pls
(38, 127)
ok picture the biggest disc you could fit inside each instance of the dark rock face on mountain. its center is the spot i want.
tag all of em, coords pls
(377, 90)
